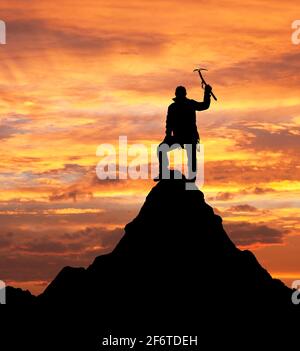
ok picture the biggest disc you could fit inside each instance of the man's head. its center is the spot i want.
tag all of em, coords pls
(180, 92)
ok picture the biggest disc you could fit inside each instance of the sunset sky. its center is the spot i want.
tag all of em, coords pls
(76, 74)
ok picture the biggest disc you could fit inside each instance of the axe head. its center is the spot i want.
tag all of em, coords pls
(199, 69)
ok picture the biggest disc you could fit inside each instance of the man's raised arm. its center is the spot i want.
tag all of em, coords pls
(204, 105)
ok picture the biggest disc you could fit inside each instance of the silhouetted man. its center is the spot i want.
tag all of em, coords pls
(181, 130)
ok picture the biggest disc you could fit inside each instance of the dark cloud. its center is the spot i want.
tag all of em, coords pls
(75, 242)
(243, 208)
(43, 258)
(259, 139)
(246, 234)
(255, 70)
(96, 236)
(37, 34)
(223, 196)
(227, 196)
(70, 195)
(43, 246)
(11, 125)
(258, 190)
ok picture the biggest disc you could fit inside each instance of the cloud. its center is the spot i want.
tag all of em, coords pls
(243, 208)
(223, 196)
(227, 196)
(257, 190)
(97, 236)
(247, 234)
(72, 194)
(277, 67)
(43, 246)
(287, 138)
(98, 239)
(85, 187)
(244, 173)
(67, 169)
(42, 258)
(37, 34)
(81, 188)
(12, 125)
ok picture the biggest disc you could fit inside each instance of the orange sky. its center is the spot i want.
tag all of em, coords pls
(77, 74)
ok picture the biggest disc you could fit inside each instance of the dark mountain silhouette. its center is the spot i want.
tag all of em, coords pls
(174, 261)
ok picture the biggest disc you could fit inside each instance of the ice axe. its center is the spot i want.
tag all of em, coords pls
(203, 82)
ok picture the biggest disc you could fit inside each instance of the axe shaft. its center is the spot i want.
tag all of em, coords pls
(204, 82)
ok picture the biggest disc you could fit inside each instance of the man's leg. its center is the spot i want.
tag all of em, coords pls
(162, 154)
(163, 160)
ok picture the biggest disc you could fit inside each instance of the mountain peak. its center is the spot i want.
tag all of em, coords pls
(176, 249)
